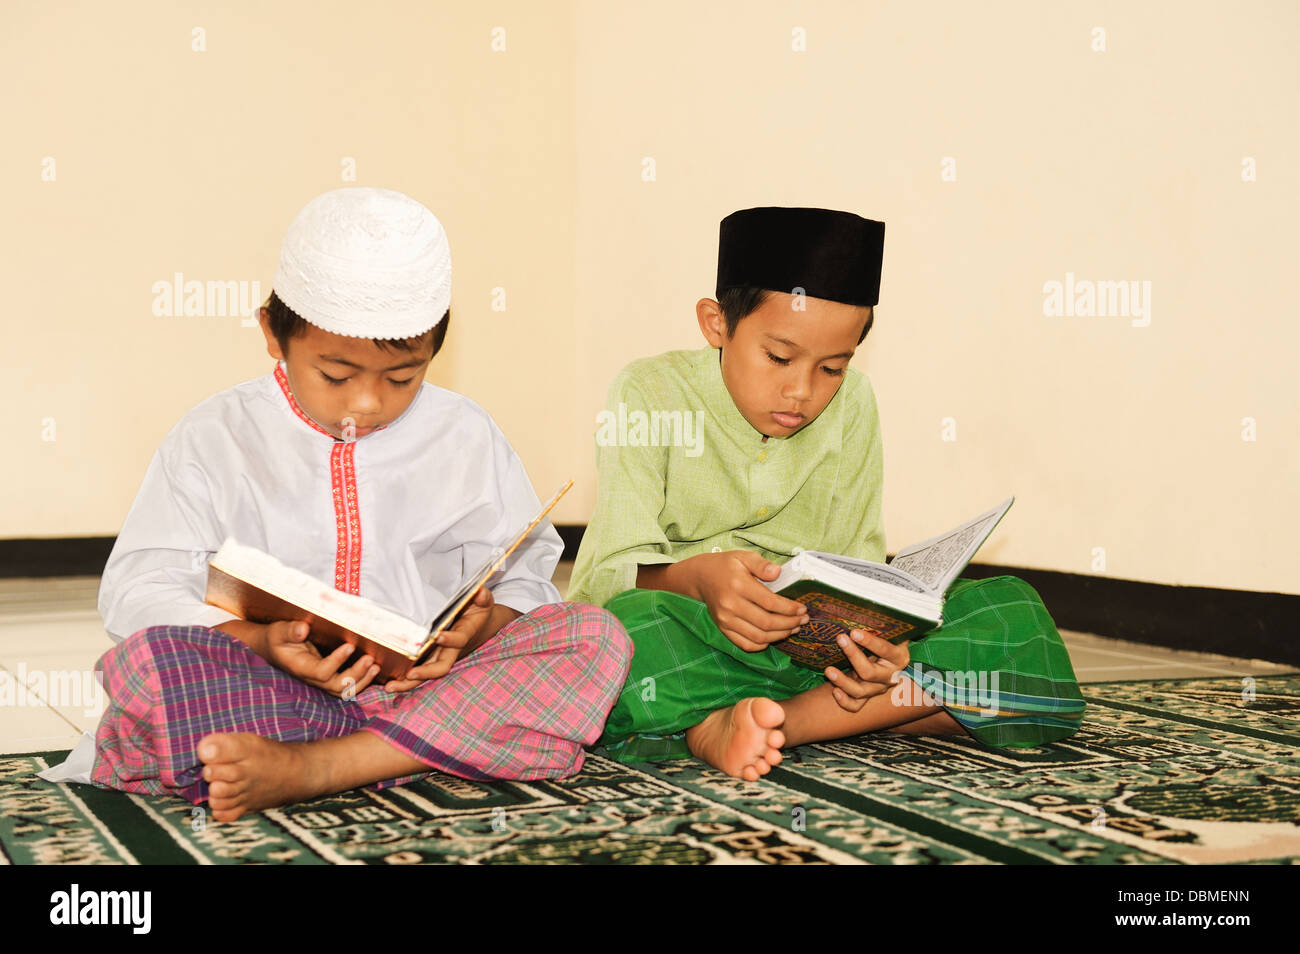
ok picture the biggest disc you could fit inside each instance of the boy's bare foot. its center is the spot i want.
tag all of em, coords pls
(743, 740)
(247, 773)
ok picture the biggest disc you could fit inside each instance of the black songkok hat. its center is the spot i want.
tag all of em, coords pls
(830, 255)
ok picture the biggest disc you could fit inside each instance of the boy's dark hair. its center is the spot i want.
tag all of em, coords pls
(286, 324)
(743, 300)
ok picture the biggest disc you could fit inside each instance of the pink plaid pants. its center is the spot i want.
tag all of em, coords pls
(521, 706)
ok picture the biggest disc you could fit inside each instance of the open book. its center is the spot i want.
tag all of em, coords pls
(901, 600)
(256, 586)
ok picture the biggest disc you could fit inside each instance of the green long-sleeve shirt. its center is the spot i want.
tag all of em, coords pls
(681, 472)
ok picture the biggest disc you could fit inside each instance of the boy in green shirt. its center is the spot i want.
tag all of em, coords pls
(715, 466)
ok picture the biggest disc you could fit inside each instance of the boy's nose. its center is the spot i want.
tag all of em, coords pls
(798, 387)
(365, 402)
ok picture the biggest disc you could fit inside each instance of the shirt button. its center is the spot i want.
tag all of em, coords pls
(762, 511)
(717, 549)
(762, 456)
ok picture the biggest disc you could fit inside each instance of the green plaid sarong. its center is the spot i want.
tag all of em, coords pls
(997, 665)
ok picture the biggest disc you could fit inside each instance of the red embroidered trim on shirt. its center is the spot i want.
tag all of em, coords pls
(343, 488)
(354, 518)
(283, 380)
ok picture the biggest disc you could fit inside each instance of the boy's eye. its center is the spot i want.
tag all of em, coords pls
(338, 381)
(833, 372)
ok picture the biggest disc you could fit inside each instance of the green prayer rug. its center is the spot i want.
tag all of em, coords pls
(1201, 771)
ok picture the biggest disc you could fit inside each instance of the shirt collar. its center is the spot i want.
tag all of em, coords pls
(282, 379)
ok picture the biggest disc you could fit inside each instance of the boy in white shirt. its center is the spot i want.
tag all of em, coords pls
(343, 463)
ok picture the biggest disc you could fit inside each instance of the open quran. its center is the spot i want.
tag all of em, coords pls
(255, 586)
(900, 600)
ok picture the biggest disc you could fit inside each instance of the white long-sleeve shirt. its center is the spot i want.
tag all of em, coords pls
(398, 516)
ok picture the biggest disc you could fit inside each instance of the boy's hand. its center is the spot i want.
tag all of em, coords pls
(467, 630)
(747, 612)
(287, 648)
(875, 673)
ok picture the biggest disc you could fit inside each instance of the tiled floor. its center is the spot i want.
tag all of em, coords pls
(51, 635)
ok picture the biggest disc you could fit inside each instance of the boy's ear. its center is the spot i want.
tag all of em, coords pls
(713, 324)
(272, 346)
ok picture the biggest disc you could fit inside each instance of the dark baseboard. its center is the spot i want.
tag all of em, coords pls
(571, 534)
(1239, 623)
(62, 556)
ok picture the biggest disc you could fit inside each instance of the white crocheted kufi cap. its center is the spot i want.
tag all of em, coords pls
(366, 263)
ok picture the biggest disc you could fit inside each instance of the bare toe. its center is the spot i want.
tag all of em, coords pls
(743, 741)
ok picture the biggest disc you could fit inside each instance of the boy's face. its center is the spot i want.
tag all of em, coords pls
(375, 386)
(784, 364)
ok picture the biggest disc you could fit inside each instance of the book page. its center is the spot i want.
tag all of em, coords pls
(874, 571)
(494, 562)
(937, 561)
(237, 573)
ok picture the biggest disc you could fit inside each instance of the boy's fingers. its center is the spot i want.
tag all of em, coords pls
(761, 596)
(481, 602)
(847, 702)
(754, 637)
(866, 668)
(420, 673)
(770, 625)
(897, 655)
(730, 629)
(756, 592)
(775, 603)
(438, 665)
(777, 612)
(747, 645)
(340, 680)
(325, 670)
(757, 565)
(371, 675)
(361, 674)
(845, 685)
(453, 636)
(436, 668)
(282, 630)
(402, 685)
(331, 664)
(852, 687)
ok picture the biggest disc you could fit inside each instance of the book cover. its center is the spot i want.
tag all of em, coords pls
(832, 612)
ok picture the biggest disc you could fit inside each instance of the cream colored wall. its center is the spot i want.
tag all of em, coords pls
(1115, 165)
(1123, 164)
(169, 160)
